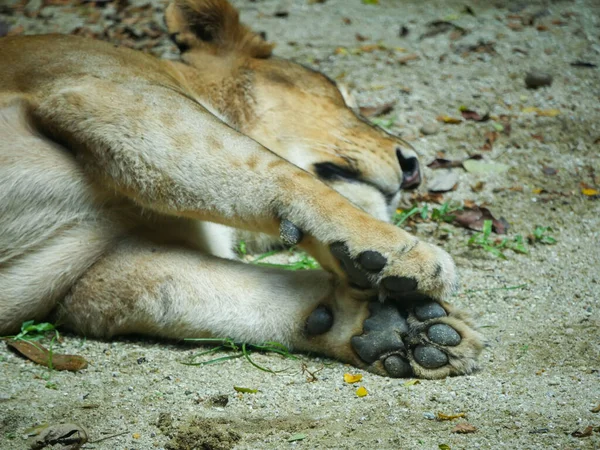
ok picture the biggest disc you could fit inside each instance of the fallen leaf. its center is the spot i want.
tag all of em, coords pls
(469, 114)
(448, 120)
(349, 378)
(407, 58)
(427, 197)
(475, 166)
(464, 428)
(590, 192)
(473, 218)
(443, 163)
(490, 138)
(444, 447)
(442, 416)
(244, 390)
(587, 432)
(596, 409)
(360, 38)
(40, 355)
(296, 437)
(66, 436)
(411, 383)
(375, 111)
(442, 26)
(478, 187)
(586, 64)
(136, 435)
(361, 391)
(443, 182)
(541, 112)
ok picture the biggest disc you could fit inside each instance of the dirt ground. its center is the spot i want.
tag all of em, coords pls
(540, 312)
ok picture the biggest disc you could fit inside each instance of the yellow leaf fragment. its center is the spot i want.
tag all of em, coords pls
(541, 112)
(589, 192)
(537, 191)
(349, 378)
(136, 435)
(341, 51)
(411, 383)
(442, 416)
(245, 390)
(361, 391)
(448, 119)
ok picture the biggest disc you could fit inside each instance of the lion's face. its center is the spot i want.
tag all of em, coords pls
(301, 115)
(292, 110)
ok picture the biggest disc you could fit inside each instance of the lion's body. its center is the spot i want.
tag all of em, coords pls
(124, 180)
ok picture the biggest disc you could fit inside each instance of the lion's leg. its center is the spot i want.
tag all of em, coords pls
(168, 154)
(169, 291)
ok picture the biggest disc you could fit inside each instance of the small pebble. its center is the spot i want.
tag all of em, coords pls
(430, 129)
(429, 415)
(534, 80)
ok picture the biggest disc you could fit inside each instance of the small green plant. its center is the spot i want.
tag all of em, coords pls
(241, 249)
(383, 123)
(242, 350)
(540, 235)
(496, 246)
(302, 261)
(422, 212)
(31, 331)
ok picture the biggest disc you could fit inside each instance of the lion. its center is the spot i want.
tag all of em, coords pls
(126, 181)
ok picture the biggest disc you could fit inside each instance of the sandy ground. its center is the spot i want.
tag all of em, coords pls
(540, 376)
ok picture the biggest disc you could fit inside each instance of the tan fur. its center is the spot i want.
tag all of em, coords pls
(123, 178)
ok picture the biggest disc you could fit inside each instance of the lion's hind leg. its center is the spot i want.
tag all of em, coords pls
(173, 292)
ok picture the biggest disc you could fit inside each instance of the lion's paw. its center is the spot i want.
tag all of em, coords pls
(427, 339)
(398, 271)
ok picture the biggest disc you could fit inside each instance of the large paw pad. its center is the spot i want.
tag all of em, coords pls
(424, 340)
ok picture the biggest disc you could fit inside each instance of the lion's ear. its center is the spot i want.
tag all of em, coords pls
(213, 26)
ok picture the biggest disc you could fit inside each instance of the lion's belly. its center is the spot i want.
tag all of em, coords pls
(51, 225)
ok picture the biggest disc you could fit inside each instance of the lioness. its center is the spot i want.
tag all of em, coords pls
(124, 177)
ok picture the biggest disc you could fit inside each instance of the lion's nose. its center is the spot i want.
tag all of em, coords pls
(411, 174)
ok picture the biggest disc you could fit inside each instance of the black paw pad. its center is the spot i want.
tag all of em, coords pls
(430, 357)
(397, 367)
(382, 333)
(355, 274)
(400, 285)
(320, 321)
(289, 233)
(372, 261)
(430, 310)
(443, 334)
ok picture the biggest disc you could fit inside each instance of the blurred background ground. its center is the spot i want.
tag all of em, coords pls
(540, 379)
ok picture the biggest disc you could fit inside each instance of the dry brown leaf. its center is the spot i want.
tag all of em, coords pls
(464, 428)
(407, 58)
(374, 111)
(442, 416)
(66, 436)
(587, 432)
(469, 114)
(40, 355)
(490, 138)
(449, 120)
(473, 218)
(596, 409)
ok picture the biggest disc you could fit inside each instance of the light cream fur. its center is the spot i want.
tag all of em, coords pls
(123, 179)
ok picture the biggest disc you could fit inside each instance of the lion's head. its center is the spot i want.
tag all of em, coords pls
(292, 110)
